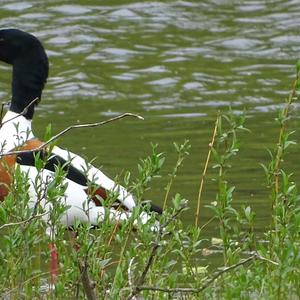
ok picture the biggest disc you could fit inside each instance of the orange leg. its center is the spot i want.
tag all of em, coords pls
(54, 268)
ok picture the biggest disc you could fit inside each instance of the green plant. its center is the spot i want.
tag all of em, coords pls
(163, 258)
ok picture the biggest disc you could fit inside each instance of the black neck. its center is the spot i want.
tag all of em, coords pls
(22, 96)
(29, 77)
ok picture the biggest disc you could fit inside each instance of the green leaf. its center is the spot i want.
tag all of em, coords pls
(247, 212)
(298, 66)
(3, 215)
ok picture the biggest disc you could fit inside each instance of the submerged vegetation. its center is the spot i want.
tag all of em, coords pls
(112, 262)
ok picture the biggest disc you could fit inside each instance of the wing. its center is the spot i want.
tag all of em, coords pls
(95, 176)
(80, 172)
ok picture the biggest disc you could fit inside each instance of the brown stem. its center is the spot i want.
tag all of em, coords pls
(211, 144)
(24, 221)
(206, 284)
(154, 249)
(87, 125)
(23, 112)
(88, 284)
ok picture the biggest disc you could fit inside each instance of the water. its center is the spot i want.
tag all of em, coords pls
(176, 63)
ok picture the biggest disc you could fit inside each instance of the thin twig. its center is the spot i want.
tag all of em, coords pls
(111, 264)
(113, 234)
(24, 221)
(129, 274)
(267, 260)
(2, 110)
(211, 144)
(87, 125)
(34, 213)
(281, 132)
(157, 243)
(22, 113)
(227, 269)
(208, 222)
(6, 294)
(207, 283)
(88, 284)
(154, 249)
(182, 150)
(121, 260)
(116, 226)
(169, 290)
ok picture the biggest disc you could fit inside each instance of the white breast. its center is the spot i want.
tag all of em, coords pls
(14, 132)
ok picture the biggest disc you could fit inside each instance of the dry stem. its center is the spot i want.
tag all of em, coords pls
(87, 125)
(154, 249)
(88, 284)
(211, 144)
(24, 221)
(22, 113)
(2, 110)
(140, 288)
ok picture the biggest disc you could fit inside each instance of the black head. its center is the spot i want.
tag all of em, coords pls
(30, 67)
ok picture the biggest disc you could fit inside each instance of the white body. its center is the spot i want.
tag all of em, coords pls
(16, 130)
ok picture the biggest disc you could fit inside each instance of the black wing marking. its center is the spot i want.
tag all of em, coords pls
(52, 162)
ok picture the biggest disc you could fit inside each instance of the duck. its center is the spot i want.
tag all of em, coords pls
(30, 69)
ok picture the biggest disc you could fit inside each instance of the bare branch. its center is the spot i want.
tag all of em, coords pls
(267, 260)
(7, 294)
(208, 282)
(24, 221)
(2, 109)
(83, 265)
(211, 144)
(227, 269)
(22, 113)
(34, 214)
(129, 274)
(154, 249)
(157, 242)
(169, 290)
(87, 125)
(88, 284)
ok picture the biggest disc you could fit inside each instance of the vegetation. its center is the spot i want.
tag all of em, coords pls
(160, 262)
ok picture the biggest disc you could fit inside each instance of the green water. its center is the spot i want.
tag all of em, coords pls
(176, 63)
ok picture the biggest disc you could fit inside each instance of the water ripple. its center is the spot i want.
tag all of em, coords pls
(212, 52)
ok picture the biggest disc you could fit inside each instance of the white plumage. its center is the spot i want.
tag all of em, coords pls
(16, 130)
